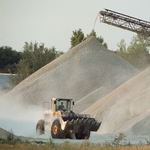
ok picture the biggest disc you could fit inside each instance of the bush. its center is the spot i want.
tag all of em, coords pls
(118, 139)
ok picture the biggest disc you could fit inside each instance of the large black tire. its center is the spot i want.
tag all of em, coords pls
(86, 136)
(82, 136)
(69, 136)
(40, 127)
(56, 131)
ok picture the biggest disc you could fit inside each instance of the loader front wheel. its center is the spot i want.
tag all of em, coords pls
(86, 136)
(40, 127)
(56, 131)
(82, 136)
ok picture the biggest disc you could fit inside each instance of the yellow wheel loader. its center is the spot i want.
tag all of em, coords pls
(64, 123)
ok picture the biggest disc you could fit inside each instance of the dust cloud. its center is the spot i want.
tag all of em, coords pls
(18, 118)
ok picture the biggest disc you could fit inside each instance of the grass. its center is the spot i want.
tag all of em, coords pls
(16, 144)
(69, 146)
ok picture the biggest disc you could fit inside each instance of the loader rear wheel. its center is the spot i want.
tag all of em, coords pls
(40, 127)
(56, 131)
(81, 135)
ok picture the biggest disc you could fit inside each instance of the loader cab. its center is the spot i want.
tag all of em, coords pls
(61, 104)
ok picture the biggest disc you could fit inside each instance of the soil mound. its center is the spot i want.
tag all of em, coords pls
(84, 71)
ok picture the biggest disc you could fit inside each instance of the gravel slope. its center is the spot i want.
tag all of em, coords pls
(126, 109)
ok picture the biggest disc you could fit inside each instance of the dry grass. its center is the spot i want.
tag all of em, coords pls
(16, 144)
(68, 146)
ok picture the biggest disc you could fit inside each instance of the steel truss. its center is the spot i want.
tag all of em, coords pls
(124, 21)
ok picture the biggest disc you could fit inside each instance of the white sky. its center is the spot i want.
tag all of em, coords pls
(52, 21)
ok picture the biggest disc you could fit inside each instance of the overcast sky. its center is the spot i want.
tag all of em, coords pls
(52, 21)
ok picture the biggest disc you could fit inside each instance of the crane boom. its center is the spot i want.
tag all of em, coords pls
(124, 21)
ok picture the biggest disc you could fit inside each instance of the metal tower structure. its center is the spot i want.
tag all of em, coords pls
(124, 21)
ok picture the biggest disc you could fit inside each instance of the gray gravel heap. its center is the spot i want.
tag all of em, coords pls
(85, 73)
(127, 108)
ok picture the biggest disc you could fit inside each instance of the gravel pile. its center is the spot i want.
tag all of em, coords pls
(85, 73)
(127, 108)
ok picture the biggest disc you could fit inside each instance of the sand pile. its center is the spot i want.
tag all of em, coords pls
(87, 72)
(126, 109)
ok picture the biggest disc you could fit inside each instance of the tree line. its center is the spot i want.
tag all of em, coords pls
(137, 53)
(8, 58)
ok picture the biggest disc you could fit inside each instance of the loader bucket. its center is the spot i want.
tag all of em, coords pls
(82, 124)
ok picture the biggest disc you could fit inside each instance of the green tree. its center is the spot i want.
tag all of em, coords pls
(122, 51)
(93, 33)
(136, 53)
(34, 57)
(77, 37)
(8, 57)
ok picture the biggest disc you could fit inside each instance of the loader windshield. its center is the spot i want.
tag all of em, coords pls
(63, 104)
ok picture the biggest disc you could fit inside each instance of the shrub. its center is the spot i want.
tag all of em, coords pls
(118, 139)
